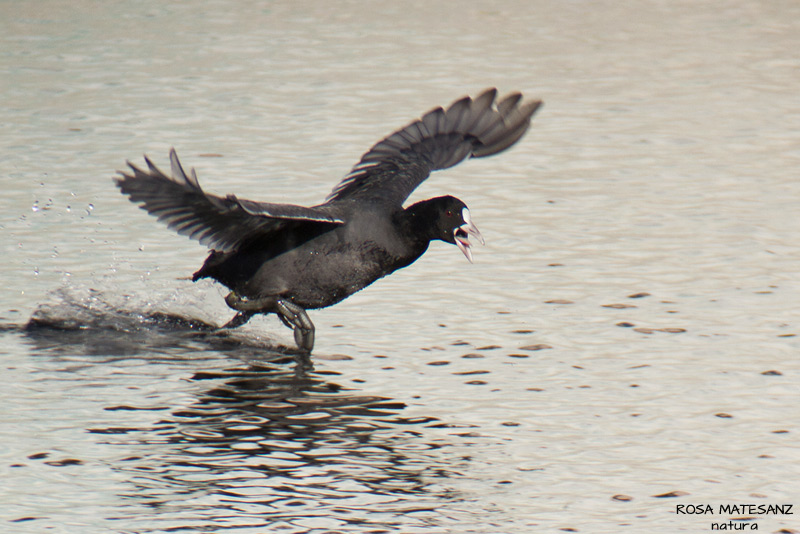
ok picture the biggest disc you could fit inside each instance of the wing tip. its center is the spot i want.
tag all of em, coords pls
(489, 124)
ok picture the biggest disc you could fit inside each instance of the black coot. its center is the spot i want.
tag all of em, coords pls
(285, 259)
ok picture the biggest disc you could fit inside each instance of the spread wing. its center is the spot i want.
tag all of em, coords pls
(395, 166)
(221, 223)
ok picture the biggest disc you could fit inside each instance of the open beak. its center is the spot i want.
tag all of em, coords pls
(462, 233)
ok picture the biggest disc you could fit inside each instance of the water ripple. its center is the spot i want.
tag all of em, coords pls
(258, 438)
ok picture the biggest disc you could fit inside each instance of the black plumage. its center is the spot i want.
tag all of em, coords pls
(285, 259)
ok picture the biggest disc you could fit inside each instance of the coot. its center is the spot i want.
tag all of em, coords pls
(286, 259)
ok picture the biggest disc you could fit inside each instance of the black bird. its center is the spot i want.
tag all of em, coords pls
(286, 259)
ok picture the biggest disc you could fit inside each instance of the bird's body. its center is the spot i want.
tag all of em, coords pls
(294, 269)
(285, 259)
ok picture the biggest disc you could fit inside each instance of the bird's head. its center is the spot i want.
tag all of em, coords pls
(453, 224)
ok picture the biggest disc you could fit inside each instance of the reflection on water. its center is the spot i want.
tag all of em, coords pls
(266, 440)
(291, 449)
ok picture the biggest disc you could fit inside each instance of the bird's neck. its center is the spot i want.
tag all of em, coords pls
(414, 227)
(416, 222)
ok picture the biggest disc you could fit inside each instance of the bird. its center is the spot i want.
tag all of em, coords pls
(286, 259)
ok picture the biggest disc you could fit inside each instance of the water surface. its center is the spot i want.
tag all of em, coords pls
(629, 331)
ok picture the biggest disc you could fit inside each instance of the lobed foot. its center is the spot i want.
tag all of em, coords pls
(292, 314)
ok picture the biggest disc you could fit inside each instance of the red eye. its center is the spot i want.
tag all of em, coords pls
(448, 213)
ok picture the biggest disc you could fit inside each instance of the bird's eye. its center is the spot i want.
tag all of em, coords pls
(448, 213)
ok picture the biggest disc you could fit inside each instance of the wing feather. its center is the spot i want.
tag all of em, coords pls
(395, 166)
(221, 223)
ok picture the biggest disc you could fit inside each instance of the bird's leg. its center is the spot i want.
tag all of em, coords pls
(246, 308)
(292, 314)
(244, 304)
(289, 313)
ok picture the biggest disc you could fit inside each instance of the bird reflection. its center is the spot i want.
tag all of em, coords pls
(265, 440)
(288, 446)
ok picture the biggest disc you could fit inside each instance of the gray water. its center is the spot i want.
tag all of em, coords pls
(626, 342)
